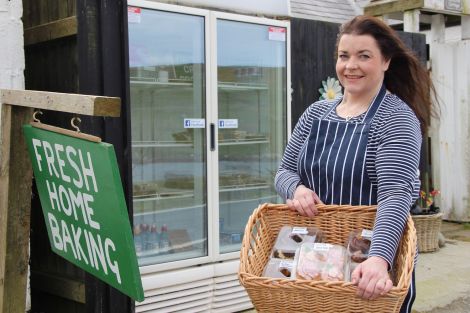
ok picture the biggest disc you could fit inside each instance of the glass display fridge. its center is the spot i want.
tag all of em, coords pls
(209, 107)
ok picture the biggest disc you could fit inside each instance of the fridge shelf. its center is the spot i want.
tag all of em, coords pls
(154, 144)
(231, 86)
(232, 142)
(164, 195)
(179, 194)
(185, 251)
(150, 82)
(243, 187)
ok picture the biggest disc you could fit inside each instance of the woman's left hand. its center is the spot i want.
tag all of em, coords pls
(371, 278)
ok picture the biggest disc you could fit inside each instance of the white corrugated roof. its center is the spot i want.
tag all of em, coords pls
(336, 11)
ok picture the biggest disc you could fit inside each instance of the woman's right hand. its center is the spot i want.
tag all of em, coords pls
(304, 201)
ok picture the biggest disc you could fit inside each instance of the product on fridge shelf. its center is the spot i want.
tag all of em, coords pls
(145, 235)
(137, 238)
(320, 261)
(164, 243)
(154, 239)
(277, 268)
(290, 238)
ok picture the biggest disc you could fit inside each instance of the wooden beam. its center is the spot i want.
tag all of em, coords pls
(64, 102)
(15, 207)
(411, 21)
(465, 24)
(49, 31)
(438, 30)
(59, 286)
(386, 7)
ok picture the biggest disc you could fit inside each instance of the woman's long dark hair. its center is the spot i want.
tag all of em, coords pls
(406, 76)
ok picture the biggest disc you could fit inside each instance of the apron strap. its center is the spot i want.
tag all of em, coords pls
(375, 104)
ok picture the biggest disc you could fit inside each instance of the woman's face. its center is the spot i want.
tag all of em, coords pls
(360, 65)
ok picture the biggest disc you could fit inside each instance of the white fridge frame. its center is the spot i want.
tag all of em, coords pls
(172, 271)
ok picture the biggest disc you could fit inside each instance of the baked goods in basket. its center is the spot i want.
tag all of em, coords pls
(321, 261)
(277, 268)
(290, 238)
(359, 244)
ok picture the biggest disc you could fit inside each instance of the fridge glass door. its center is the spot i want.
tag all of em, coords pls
(252, 129)
(168, 112)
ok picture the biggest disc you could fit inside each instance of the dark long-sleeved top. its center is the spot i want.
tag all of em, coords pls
(392, 160)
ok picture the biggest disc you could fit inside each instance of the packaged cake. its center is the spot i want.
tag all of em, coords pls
(359, 244)
(290, 238)
(277, 268)
(320, 261)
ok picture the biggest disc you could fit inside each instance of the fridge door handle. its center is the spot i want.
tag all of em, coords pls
(212, 139)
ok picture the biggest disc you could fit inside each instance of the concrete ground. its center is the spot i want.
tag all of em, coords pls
(443, 277)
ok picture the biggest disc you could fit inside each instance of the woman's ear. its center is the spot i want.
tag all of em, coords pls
(386, 64)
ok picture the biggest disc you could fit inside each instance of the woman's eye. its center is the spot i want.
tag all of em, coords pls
(364, 56)
(343, 56)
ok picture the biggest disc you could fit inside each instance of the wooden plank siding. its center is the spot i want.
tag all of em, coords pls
(44, 20)
(328, 11)
(312, 60)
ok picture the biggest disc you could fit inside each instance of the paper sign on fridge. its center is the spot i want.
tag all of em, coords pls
(84, 208)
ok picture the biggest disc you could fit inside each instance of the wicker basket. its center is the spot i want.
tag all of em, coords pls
(285, 295)
(428, 228)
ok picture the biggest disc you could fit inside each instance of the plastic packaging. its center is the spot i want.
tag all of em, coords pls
(277, 268)
(321, 261)
(358, 247)
(291, 238)
(359, 244)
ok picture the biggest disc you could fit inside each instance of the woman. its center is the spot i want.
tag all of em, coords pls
(364, 149)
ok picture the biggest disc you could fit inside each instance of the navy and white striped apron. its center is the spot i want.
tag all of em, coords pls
(333, 164)
(333, 161)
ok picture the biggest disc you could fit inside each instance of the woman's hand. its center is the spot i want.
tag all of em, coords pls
(371, 278)
(304, 201)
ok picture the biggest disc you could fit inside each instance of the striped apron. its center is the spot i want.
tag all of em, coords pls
(333, 160)
(332, 163)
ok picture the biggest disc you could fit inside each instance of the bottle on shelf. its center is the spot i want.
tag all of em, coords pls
(164, 243)
(137, 238)
(154, 239)
(144, 235)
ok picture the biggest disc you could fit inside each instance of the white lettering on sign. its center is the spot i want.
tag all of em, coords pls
(98, 253)
(228, 123)
(82, 173)
(194, 123)
(68, 202)
(276, 33)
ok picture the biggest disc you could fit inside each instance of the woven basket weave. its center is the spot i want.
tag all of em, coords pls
(284, 295)
(428, 228)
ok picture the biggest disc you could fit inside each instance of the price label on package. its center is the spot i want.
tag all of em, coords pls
(300, 230)
(321, 246)
(367, 234)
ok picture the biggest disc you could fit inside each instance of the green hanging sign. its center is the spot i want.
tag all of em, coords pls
(84, 208)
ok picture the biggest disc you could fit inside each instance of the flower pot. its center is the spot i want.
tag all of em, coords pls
(428, 227)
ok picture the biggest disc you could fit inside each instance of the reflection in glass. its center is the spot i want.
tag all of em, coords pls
(252, 97)
(166, 66)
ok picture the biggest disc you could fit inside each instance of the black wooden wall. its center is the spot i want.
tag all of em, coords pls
(312, 59)
(94, 61)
